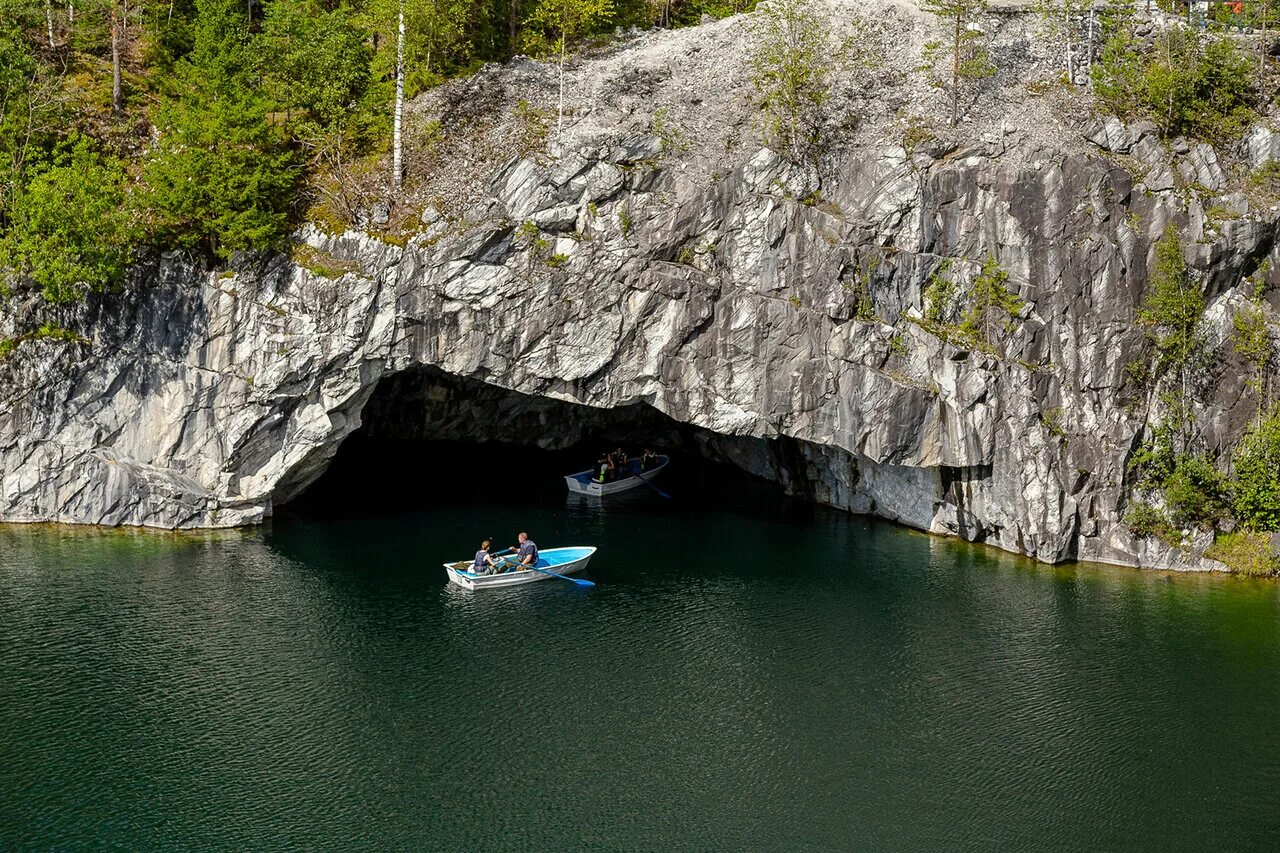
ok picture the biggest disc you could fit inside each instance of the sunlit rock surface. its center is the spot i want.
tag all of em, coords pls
(604, 277)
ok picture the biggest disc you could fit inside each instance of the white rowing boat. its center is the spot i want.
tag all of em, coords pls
(561, 561)
(585, 482)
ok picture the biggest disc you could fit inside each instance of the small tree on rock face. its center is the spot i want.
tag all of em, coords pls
(564, 22)
(1256, 464)
(1171, 313)
(962, 49)
(790, 70)
(990, 299)
(1251, 340)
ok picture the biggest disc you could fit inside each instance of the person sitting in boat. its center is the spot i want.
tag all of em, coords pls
(526, 552)
(620, 458)
(483, 564)
(604, 464)
(648, 459)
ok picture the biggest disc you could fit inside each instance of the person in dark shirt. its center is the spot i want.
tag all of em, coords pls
(483, 564)
(648, 459)
(526, 552)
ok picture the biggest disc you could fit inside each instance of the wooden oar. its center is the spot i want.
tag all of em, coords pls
(652, 486)
(578, 581)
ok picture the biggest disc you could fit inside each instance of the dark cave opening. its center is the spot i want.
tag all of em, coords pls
(429, 438)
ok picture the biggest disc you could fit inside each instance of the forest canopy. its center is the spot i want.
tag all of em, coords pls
(208, 124)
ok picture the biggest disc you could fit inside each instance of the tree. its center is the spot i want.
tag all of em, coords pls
(73, 231)
(221, 179)
(1171, 314)
(438, 41)
(1185, 83)
(791, 64)
(1251, 340)
(990, 297)
(397, 121)
(1060, 24)
(963, 46)
(1256, 466)
(564, 22)
(314, 62)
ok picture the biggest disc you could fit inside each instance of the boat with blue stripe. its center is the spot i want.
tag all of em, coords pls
(552, 562)
(631, 476)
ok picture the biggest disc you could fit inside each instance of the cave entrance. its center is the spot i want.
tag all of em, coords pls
(428, 439)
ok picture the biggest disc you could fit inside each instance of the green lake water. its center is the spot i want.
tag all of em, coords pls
(749, 673)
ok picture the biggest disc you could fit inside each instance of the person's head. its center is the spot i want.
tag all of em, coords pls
(484, 546)
(523, 537)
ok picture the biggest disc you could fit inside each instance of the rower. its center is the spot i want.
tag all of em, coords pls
(526, 552)
(648, 459)
(483, 564)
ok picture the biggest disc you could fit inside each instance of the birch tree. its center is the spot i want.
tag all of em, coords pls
(1060, 25)
(565, 22)
(397, 122)
(117, 98)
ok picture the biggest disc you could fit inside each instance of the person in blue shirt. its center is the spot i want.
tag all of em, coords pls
(526, 552)
(483, 564)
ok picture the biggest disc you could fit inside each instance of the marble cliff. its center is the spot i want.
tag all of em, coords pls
(779, 308)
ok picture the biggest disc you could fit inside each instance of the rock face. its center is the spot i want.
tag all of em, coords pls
(781, 314)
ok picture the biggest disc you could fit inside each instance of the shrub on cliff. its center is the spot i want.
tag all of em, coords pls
(1256, 466)
(71, 230)
(1185, 82)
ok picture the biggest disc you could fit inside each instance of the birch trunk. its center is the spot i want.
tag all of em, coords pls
(71, 12)
(117, 100)
(955, 77)
(1262, 48)
(560, 104)
(48, 20)
(397, 146)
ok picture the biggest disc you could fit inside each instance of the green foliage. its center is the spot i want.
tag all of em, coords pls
(1144, 520)
(554, 25)
(1251, 340)
(47, 332)
(71, 231)
(1196, 493)
(864, 307)
(940, 294)
(221, 179)
(789, 73)
(1172, 308)
(1256, 467)
(790, 67)
(1246, 553)
(314, 62)
(1185, 82)
(990, 297)
(960, 57)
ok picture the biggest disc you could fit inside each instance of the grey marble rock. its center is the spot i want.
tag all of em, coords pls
(778, 310)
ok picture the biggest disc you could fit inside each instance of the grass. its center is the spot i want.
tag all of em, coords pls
(47, 332)
(1245, 552)
(321, 263)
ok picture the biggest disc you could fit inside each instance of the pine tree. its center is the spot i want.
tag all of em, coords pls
(222, 179)
(963, 46)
